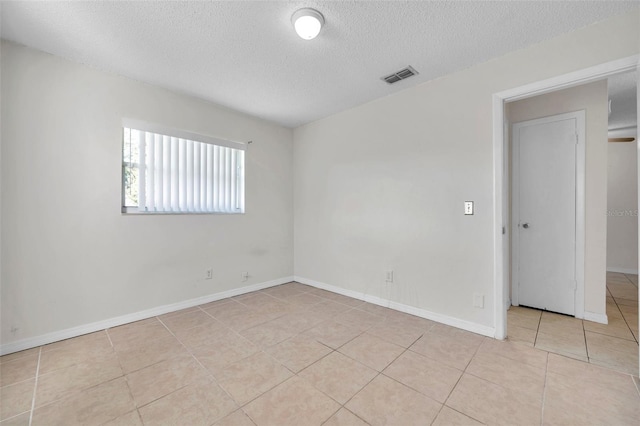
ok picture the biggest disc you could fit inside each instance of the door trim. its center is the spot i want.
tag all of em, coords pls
(564, 81)
(579, 116)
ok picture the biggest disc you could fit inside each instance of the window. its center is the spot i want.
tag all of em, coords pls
(172, 171)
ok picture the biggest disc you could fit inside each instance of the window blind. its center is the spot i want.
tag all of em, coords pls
(181, 175)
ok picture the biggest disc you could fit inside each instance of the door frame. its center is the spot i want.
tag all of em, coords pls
(580, 177)
(500, 252)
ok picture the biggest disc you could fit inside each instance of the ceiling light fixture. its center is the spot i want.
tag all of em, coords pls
(307, 23)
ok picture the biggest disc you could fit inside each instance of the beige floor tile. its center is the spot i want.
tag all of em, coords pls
(281, 292)
(328, 308)
(18, 370)
(199, 335)
(613, 352)
(626, 302)
(254, 300)
(178, 313)
(371, 351)
(202, 402)
(97, 405)
(404, 319)
(160, 379)
(16, 398)
(359, 320)
(185, 321)
(508, 373)
(449, 417)
(138, 333)
(453, 351)
(216, 303)
(75, 353)
(623, 291)
(559, 330)
(515, 351)
(402, 335)
(225, 310)
(237, 418)
(493, 404)
(425, 375)
(387, 402)
(251, 377)
(345, 417)
(521, 335)
(522, 320)
(446, 330)
(87, 340)
(347, 301)
(562, 344)
(21, 354)
(590, 374)
(338, 376)
(267, 334)
(134, 358)
(299, 321)
(65, 382)
(294, 402)
(566, 403)
(20, 420)
(560, 321)
(132, 418)
(226, 348)
(374, 309)
(304, 300)
(248, 319)
(619, 329)
(333, 334)
(298, 352)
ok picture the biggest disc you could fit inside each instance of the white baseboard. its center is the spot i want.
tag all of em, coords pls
(68, 333)
(622, 270)
(600, 318)
(423, 313)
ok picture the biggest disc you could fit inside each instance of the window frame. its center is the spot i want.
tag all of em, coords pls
(144, 126)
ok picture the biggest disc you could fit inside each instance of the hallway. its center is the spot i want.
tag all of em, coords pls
(614, 345)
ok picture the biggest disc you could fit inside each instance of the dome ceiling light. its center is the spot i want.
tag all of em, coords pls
(307, 23)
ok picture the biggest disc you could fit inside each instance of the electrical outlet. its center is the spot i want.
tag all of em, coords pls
(478, 300)
(245, 276)
(468, 207)
(209, 274)
(388, 276)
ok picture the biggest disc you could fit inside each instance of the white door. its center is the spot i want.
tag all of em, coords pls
(545, 177)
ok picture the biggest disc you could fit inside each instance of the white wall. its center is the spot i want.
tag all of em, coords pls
(382, 186)
(592, 98)
(69, 257)
(622, 218)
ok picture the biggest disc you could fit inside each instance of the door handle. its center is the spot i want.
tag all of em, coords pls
(525, 225)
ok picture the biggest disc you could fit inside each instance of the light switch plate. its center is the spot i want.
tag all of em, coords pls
(468, 207)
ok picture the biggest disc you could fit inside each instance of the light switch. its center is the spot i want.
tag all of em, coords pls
(468, 207)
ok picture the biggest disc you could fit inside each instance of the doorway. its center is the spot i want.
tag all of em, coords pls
(547, 225)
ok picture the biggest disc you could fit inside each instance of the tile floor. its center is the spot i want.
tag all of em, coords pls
(295, 355)
(614, 345)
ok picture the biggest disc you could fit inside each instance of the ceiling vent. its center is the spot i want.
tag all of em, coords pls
(400, 75)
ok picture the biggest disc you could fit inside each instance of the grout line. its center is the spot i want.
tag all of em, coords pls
(35, 388)
(544, 391)
(106, 330)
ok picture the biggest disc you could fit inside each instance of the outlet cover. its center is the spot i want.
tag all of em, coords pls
(478, 300)
(388, 276)
(209, 274)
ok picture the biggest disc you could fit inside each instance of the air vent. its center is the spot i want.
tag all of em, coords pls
(400, 75)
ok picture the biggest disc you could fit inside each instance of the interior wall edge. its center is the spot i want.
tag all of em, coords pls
(422, 313)
(68, 333)
(595, 317)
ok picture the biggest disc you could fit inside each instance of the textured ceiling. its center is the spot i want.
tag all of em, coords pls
(623, 96)
(246, 56)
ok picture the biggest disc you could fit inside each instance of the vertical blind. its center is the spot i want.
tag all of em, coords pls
(181, 175)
